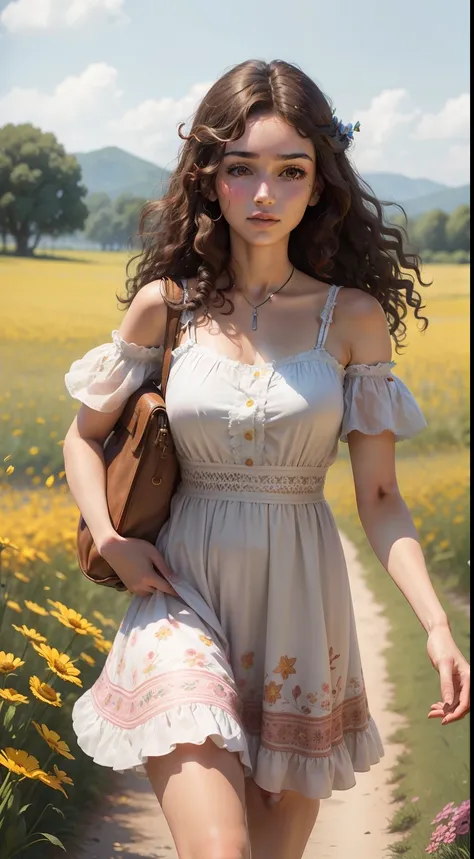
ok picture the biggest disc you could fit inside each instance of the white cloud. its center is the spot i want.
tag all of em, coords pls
(384, 116)
(21, 15)
(73, 111)
(452, 122)
(394, 135)
(150, 128)
(86, 112)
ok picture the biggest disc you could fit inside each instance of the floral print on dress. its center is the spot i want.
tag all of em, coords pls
(285, 667)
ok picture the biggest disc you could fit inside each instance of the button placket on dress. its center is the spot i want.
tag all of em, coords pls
(247, 417)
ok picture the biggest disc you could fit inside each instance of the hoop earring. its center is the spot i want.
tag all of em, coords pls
(214, 220)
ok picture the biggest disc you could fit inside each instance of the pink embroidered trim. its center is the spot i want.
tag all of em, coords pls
(312, 736)
(158, 694)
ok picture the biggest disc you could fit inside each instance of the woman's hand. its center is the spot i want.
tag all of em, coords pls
(454, 674)
(136, 563)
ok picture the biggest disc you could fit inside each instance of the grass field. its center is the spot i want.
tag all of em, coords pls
(54, 311)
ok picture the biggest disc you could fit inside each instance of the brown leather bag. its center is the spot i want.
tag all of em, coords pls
(142, 470)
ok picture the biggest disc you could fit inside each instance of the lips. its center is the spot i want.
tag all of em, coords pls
(270, 218)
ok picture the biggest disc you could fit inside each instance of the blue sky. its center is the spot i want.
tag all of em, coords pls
(125, 72)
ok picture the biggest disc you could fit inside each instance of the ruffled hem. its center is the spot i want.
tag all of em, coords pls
(375, 401)
(136, 352)
(316, 778)
(122, 749)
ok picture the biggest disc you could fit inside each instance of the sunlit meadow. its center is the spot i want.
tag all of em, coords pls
(55, 627)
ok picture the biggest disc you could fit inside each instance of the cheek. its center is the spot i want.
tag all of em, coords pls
(299, 191)
(230, 192)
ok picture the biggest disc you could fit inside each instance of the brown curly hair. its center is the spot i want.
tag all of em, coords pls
(342, 240)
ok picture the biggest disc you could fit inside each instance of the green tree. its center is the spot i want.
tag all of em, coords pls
(429, 231)
(97, 200)
(40, 187)
(101, 227)
(112, 224)
(458, 229)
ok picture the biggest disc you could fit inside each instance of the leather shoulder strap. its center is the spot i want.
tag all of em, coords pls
(174, 293)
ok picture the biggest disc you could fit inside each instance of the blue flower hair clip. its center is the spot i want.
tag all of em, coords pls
(341, 132)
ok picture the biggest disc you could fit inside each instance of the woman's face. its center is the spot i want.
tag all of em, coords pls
(270, 171)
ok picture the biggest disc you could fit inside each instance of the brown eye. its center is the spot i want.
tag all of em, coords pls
(231, 170)
(297, 173)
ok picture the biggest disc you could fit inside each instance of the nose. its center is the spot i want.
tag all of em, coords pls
(264, 194)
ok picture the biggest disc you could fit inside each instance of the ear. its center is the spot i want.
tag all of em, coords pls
(317, 191)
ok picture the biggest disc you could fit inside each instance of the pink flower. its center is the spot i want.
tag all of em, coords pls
(463, 827)
(415, 798)
(450, 836)
(296, 692)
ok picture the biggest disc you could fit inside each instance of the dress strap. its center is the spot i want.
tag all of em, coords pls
(327, 314)
(187, 316)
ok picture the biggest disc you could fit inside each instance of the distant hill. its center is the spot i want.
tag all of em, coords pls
(116, 172)
(446, 199)
(397, 188)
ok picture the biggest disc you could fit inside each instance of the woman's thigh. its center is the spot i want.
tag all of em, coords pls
(281, 831)
(202, 793)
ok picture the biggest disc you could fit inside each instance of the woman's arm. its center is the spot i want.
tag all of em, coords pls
(143, 324)
(389, 526)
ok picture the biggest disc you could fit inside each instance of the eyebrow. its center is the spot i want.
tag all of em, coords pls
(291, 156)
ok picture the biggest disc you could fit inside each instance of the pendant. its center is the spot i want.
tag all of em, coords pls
(254, 320)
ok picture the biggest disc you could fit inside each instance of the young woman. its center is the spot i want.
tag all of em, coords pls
(235, 681)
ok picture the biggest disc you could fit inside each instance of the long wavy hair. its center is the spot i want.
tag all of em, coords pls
(343, 239)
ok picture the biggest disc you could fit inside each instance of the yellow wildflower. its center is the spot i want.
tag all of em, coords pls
(14, 606)
(13, 696)
(44, 692)
(54, 741)
(58, 662)
(33, 451)
(89, 659)
(9, 663)
(10, 470)
(62, 776)
(5, 543)
(103, 645)
(73, 620)
(22, 578)
(20, 762)
(38, 609)
(31, 634)
(52, 781)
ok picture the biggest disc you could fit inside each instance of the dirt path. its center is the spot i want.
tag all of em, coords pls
(351, 823)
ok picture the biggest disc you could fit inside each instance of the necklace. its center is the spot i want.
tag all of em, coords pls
(256, 306)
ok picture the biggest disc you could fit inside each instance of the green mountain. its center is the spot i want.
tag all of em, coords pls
(446, 199)
(116, 172)
(395, 187)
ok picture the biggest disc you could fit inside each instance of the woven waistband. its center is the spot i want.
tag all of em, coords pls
(280, 485)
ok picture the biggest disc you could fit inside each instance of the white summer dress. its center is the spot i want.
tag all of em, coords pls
(261, 652)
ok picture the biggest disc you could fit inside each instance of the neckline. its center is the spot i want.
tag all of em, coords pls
(315, 351)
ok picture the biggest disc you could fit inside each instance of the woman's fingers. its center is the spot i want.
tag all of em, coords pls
(461, 707)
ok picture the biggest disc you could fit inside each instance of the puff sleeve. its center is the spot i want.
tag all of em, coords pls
(375, 400)
(106, 376)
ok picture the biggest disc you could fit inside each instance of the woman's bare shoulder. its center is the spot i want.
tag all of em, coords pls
(364, 326)
(145, 320)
